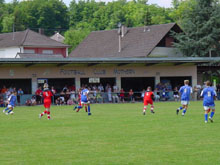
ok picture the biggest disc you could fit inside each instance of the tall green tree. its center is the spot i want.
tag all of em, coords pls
(201, 27)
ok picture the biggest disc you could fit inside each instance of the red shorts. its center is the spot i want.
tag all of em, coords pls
(146, 102)
(47, 104)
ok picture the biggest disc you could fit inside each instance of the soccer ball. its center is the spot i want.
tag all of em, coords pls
(11, 113)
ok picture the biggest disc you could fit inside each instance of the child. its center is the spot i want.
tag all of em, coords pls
(148, 99)
(11, 103)
(47, 94)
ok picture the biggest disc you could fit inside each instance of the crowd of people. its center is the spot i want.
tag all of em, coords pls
(69, 95)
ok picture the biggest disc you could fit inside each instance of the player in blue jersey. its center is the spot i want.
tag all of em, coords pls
(11, 103)
(185, 93)
(84, 100)
(209, 95)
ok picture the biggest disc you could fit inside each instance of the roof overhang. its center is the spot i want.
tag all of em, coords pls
(118, 61)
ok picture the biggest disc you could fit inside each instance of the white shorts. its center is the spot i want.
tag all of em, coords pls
(209, 107)
(85, 102)
(10, 106)
(184, 102)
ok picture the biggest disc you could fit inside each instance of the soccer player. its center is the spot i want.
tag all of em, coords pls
(85, 100)
(185, 92)
(209, 95)
(148, 99)
(47, 94)
(79, 102)
(11, 103)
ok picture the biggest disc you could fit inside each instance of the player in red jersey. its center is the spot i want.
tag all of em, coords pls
(47, 94)
(148, 99)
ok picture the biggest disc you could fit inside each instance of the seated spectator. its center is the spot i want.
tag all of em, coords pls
(28, 102)
(59, 101)
(70, 102)
(176, 94)
(33, 101)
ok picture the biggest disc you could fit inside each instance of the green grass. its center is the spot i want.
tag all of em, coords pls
(114, 134)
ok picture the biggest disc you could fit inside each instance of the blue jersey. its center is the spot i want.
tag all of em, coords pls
(84, 94)
(185, 92)
(208, 96)
(12, 100)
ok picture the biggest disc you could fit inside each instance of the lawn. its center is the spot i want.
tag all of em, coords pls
(114, 134)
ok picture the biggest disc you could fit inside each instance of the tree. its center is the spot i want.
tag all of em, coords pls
(7, 23)
(201, 27)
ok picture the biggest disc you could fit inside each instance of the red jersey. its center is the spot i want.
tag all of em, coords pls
(148, 95)
(148, 98)
(47, 98)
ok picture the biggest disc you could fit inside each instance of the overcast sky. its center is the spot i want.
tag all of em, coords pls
(162, 3)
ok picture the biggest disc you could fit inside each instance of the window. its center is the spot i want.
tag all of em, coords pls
(32, 51)
(47, 51)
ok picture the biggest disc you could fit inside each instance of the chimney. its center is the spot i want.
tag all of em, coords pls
(41, 31)
(119, 36)
(124, 30)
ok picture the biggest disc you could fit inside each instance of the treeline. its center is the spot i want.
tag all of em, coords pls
(81, 17)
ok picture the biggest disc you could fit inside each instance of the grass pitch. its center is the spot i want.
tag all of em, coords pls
(115, 134)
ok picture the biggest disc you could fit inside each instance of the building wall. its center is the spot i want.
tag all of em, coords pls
(165, 52)
(55, 50)
(35, 72)
(9, 52)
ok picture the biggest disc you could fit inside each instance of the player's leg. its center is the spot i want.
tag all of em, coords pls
(89, 113)
(145, 107)
(81, 105)
(185, 106)
(48, 113)
(10, 110)
(178, 109)
(6, 109)
(86, 109)
(212, 114)
(206, 113)
(152, 108)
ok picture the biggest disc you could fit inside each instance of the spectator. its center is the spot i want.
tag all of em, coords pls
(156, 94)
(99, 98)
(109, 90)
(73, 96)
(176, 94)
(142, 94)
(122, 95)
(115, 94)
(54, 92)
(67, 95)
(2, 104)
(38, 94)
(19, 95)
(101, 88)
(33, 101)
(131, 95)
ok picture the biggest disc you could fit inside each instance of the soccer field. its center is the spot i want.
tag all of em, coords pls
(114, 134)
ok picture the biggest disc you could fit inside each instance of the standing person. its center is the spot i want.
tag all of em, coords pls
(38, 94)
(47, 94)
(122, 95)
(148, 99)
(185, 92)
(209, 95)
(131, 95)
(19, 94)
(11, 103)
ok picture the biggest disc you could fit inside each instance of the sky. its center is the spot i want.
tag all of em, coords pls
(162, 3)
